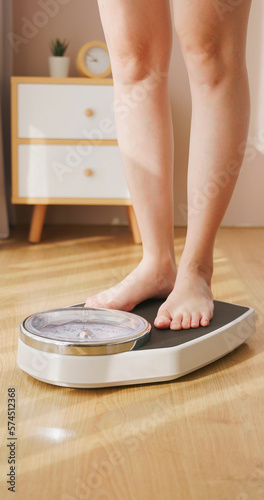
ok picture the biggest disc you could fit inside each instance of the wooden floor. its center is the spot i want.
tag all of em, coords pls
(200, 437)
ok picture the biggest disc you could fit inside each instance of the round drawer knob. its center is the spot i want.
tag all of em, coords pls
(88, 112)
(88, 172)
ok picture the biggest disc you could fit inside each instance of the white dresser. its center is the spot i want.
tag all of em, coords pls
(64, 147)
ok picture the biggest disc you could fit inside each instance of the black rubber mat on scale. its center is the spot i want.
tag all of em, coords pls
(224, 313)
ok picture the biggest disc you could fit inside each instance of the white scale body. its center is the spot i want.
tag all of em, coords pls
(133, 353)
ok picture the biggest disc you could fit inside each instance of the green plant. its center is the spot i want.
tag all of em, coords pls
(58, 47)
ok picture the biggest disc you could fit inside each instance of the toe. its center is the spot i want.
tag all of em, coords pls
(91, 302)
(163, 319)
(176, 323)
(94, 302)
(186, 321)
(195, 320)
(205, 319)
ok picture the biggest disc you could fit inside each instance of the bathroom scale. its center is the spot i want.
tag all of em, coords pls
(84, 347)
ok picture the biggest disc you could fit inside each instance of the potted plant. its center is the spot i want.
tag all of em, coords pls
(58, 63)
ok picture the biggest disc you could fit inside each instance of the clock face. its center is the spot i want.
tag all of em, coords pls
(93, 60)
(97, 60)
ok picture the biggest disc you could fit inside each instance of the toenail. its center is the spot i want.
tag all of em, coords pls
(161, 320)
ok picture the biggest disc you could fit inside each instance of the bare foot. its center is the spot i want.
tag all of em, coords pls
(190, 303)
(148, 280)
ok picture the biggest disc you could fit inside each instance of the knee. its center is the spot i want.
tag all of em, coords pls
(210, 61)
(132, 63)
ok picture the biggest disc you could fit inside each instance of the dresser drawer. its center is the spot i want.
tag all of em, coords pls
(58, 171)
(65, 111)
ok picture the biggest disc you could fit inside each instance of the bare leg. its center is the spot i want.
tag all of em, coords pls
(213, 45)
(139, 40)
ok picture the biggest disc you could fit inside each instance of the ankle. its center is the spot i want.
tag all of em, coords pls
(203, 267)
(161, 262)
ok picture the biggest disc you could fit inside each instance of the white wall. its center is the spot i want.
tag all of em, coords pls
(79, 21)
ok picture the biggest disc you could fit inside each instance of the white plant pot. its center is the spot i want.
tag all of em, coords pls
(59, 66)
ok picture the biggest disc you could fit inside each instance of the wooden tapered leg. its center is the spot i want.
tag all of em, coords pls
(37, 222)
(133, 225)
